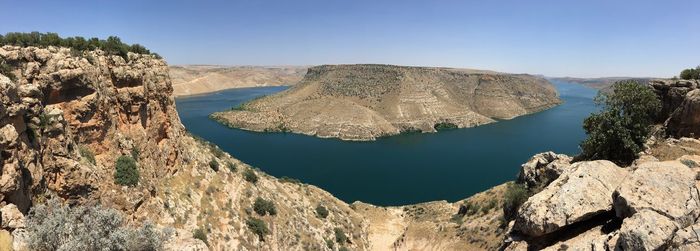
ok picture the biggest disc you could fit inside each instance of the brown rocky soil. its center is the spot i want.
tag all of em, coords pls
(363, 102)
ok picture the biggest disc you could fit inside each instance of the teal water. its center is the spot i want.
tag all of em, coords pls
(449, 165)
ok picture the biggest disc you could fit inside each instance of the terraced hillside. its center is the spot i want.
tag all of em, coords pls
(363, 102)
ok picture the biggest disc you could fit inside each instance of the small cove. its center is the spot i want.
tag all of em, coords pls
(405, 169)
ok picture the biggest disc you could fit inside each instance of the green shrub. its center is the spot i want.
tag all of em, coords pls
(126, 171)
(516, 194)
(135, 153)
(321, 211)
(691, 73)
(286, 179)
(200, 234)
(231, 167)
(618, 132)
(250, 176)
(112, 45)
(330, 244)
(444, 126)
(87, 154)
(471, 208)
(343, 248)
(340, 236)
(6, 69)
(214, 165)
(53, 226)
(258, 227)
(263, 207)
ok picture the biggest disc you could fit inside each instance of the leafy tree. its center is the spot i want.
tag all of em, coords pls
(214, 165)
(126, 173)
(263, 207)
(516, 194)
(200, 234)
(112, 45)
(340, 236)
(258, 227)
(250, 176)
(321, 211)
(618, 132)
(691, 73)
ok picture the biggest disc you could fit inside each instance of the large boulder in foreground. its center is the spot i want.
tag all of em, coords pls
(542, 169)
(581, 192)
(657, 199)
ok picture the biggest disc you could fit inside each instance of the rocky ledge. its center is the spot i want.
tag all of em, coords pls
(364, 102)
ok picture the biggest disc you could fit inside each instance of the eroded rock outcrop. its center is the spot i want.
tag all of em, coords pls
(363, 102)
(580, 193)
(680, 111)
(69, 115)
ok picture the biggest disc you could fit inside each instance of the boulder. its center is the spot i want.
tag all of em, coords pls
(543, 168)
(687, 238)
(12, 218)
(646, 230)
(581, 192)
(657, 199)
(667, 188)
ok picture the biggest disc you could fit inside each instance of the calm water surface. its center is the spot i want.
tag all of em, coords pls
(449, 165)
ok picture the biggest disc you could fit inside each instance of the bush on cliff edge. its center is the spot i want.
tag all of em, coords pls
(126, 173)
(618, 132)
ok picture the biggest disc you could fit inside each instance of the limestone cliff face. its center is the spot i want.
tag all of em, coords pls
(65, 107)
(680, 111)
(363, 102)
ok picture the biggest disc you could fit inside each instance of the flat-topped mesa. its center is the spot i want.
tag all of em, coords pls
(363, 102)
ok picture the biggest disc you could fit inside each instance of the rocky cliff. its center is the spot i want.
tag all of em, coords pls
(654, 204)
(363, 102)
(69, 115)
(198, 79)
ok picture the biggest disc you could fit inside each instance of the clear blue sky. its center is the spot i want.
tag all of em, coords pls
(557, 38)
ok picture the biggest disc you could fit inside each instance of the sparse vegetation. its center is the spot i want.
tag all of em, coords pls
(214, 165)
(689, 163)
(340, 236)
(87, 154)
(6, 69)
(126, 173)
(200, 234)
(135, 153)
(343, 248)
(289, 180)
(444, 126)
(231, 167)
(619, 131)
(516, 194)
(262, 207)
(258, 227)
(321, 211)
(112, 45)
(471, 208)
(250, 176)
(53, 226)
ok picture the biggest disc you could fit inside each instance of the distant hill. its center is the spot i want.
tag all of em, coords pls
(363, 102)
(197, 79)
(601, 83)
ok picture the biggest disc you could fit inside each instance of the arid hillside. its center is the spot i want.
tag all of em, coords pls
(198, 79)
(363, 102)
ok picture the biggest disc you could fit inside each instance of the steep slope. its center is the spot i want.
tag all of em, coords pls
(198, 79)
(363, 102)
(64, 108)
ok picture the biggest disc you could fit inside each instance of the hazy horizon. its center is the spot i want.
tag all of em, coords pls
(556, 39)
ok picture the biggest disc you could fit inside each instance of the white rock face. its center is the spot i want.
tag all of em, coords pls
(581, 192)
(543, 168)
(11, 217)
